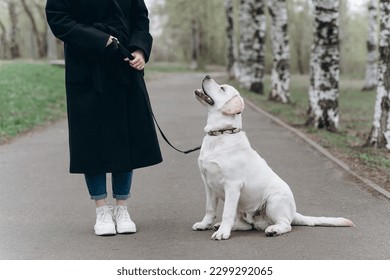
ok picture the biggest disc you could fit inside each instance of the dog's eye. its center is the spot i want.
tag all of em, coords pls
(223, 88)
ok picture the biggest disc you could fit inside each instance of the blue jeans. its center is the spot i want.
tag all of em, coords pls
(121, 184)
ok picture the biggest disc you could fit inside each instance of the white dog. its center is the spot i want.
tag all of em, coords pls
(254, 195)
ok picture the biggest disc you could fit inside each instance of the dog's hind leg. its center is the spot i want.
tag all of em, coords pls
(280, 211)
(260, 223)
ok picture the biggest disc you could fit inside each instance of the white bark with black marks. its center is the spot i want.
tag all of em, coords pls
(371, 79)
(280, 90)
(380, 132)
(252, 45)
(325, 67)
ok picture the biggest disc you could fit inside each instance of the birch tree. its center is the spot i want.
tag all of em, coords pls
(280, 90)
(380, 132)
(231, 42)
(323, 109)
(371, 79)
(252, 45)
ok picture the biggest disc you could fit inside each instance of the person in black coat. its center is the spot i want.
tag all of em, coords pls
(111, 129)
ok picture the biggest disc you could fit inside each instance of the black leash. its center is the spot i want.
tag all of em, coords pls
(169, 143)
(128, 54)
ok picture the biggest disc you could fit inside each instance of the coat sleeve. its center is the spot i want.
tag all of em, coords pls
(71, 32)
(141, 38)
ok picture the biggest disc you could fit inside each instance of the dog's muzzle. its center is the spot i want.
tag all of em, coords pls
(200, 93)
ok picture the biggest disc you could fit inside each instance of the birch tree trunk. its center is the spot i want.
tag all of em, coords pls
(371, 79)
(380, 132)
(280, 90)
(252, 45)
(323, 109)
(231, 42)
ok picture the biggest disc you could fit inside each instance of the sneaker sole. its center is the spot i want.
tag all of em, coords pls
(126, 230)
(105, 232)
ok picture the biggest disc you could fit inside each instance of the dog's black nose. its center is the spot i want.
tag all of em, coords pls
(208, 77)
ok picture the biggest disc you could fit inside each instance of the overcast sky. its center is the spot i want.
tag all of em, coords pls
(357, 5)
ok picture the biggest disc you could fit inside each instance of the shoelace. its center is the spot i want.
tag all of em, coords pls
(105, 214)
(122, 213)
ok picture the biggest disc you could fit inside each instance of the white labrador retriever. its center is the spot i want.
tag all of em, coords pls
(254, 195)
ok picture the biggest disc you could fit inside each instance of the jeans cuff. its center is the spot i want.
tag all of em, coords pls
(121, 196)
(98, 197)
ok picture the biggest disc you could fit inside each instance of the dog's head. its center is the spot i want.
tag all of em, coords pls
(224, 104)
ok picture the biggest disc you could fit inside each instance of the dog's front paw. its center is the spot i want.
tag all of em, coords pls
(221, 234)
(201, 226)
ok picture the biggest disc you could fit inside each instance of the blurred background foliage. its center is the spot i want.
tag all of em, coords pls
(173, 20)
(173, 23)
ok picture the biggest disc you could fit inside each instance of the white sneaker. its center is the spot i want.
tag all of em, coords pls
(124, 224)
(104, 221)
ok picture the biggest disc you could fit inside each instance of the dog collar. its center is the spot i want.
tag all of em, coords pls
(223, 131)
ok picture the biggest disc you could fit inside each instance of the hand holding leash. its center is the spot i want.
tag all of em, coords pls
(138, 62)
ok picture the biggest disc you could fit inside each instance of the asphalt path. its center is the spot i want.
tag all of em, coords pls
(46, 213)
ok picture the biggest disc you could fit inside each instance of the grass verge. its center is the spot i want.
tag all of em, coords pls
(31, 94)
(356, 116)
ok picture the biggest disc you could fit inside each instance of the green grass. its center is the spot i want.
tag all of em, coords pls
(356, 116)
(31, 94)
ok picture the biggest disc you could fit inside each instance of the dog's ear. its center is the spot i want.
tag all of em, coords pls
(234, 105)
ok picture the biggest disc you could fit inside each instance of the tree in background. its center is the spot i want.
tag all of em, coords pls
(14, 30)
(52, 46)
(193, 32)
(300, 19)
(371, 79)
(231, 40)
(252, 45)
(40, 39)
(380, 132)
(280, 89)
(325, 67)
(3, 41)
(23, 29)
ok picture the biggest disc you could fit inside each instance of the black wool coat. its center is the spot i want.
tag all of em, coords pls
(110, 124)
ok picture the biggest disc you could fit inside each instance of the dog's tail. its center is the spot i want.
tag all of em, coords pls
(300, 220)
